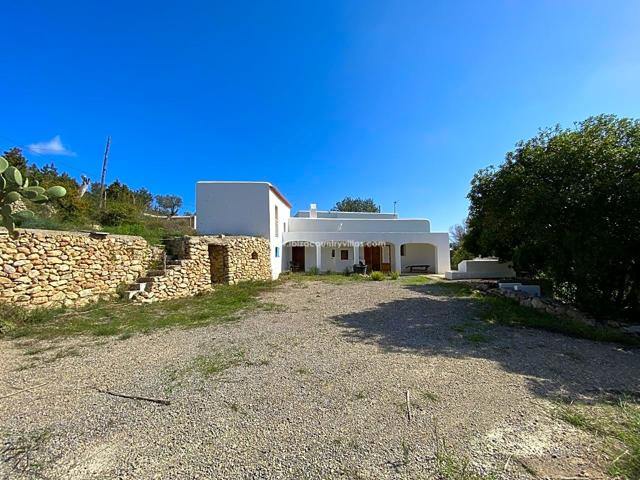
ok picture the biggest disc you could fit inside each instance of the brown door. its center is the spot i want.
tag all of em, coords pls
(297, 259)
(372, 258)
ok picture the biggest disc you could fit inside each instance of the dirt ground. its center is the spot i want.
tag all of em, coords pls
(312, 385)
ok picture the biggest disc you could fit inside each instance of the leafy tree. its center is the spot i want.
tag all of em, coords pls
(168, 204)
(349, 204)
(565, 206)
(15, 159)
(456, 238)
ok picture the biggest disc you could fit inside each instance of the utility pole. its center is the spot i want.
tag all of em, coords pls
(103, 193)
(394, 206)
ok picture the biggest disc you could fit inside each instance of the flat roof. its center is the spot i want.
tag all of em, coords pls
(272, 187)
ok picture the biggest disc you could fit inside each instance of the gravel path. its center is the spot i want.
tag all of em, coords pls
(314, 387)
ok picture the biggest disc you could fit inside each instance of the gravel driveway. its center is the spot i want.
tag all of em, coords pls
(313, 385)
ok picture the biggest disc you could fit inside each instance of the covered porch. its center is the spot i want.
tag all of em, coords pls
(337, 256)
(384, 257)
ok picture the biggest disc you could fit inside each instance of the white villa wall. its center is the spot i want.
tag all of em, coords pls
(357, 215)
(276, 235)
(233, 208)
(419, 254)
(297, 224)
(336, 264)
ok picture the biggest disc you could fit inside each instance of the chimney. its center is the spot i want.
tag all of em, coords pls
(313, 211)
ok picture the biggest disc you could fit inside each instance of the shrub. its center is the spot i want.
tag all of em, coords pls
(394, 275)
(117, 214)
(376, 276)
(565, 206)
(313, 271)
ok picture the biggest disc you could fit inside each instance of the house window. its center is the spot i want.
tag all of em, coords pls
(333, 253)
(254, 256)
(277, 223)
(402, 250)
(344, 254)
(277, 252)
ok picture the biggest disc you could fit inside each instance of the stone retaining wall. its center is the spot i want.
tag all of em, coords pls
(48, 268)
(559, 309)
(43, 268)
(204, 261)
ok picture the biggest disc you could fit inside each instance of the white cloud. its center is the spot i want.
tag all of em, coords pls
(52, 147)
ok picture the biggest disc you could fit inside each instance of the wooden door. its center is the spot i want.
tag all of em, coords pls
(297, 259)
(372, 259)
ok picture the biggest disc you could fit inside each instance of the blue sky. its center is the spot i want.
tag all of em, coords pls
(397, 100)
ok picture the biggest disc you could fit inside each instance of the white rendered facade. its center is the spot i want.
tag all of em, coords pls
(328, 241)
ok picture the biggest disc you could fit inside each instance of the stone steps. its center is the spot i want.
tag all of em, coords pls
(135, 288)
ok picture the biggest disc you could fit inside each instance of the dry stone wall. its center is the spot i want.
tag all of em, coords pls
(45, 268)
(200, 262)
(50, 268)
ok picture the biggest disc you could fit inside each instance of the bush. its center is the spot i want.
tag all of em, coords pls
(117, 214)
(394, 275)
(376, 276)
(313, 271)
(565, 206)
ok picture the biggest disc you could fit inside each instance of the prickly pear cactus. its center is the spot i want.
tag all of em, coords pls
(14, 187)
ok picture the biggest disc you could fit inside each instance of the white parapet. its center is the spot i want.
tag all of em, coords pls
(481, 268)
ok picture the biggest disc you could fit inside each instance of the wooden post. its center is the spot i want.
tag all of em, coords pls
(103, 193)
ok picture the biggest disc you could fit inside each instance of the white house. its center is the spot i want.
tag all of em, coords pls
(326, 240)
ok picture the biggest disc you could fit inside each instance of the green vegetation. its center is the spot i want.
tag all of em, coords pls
(217, 362)
(429, 396)
(476, 337)
(124, 319)
(335, 278)
(451, 465)
(565, 206)
(348, 204)
(505, 311)
(21, 451)
(457, 234)
(126, 211)
(16, 188)
(617, 421)
(376, 276)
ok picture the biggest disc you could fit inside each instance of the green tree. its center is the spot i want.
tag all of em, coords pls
(565, 205)
(456, 240)
(15, 159)
(168, 204)
(349, 204)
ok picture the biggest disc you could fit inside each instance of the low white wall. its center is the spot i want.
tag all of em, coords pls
(481, 268)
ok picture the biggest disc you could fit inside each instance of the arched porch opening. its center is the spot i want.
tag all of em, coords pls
(418, 258)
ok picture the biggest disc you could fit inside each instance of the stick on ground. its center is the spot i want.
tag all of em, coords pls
(136, 397)
(409, 415)
(28, 389)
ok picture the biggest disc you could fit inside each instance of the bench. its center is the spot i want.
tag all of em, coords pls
(421, 268)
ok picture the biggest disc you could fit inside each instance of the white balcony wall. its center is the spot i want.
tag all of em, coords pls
(348, 225)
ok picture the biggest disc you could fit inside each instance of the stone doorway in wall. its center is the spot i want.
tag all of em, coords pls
(219, 261)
